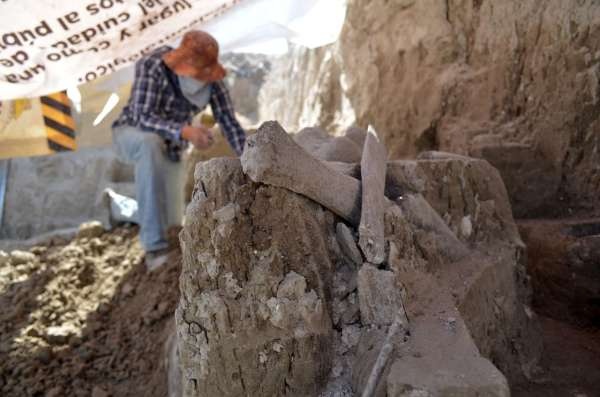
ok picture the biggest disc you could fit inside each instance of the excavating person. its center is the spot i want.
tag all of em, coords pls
(170, 87)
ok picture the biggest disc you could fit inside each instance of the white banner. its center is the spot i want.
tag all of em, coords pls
(49, 45)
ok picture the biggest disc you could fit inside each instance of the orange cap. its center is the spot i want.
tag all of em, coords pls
(197, 56)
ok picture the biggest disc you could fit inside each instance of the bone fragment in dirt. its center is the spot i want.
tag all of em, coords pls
(347, 244)
(272, 157)
(350, 169)
(371, 228)
(357, 135)
(384, 355)
(420, 212)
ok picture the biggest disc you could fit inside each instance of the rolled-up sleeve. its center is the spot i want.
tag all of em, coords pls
(222, 108)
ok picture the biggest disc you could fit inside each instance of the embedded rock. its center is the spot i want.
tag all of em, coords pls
(253, 317)
(380, 296)
(90, 230)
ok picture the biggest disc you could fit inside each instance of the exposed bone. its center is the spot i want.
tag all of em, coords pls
(383, 357)
(356, 134)
(325, 147)
(371, 228)
(272, 157)
(350, 169)
(347, 244)
(420, 212)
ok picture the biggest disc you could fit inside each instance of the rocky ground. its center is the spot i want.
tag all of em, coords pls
(84, 317)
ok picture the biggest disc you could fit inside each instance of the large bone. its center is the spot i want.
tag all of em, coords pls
(371, 228)
(421, 213)
(272, 157)
(383, 357)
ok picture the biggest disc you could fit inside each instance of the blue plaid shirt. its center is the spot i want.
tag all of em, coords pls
(157, 105)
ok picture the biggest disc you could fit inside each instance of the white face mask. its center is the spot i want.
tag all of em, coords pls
(189, 85)
(196, 91)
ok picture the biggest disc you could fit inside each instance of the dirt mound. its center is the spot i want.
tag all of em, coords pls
(85, 318)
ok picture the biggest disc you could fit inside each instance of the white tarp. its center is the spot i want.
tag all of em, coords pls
(50, 45)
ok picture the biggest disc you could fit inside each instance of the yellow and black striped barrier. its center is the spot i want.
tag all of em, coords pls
(60, 127)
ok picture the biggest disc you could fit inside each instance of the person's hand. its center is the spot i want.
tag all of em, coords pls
(200, 137)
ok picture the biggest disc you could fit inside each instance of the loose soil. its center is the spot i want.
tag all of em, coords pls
(85, 318)
(570, 364)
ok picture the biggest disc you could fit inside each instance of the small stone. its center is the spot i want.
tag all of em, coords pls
(90, 230)
(226, 213)
(60, 335)
(262, 357)
(44, 355)
(55, 392)
(292, 287)
(195, 328)
(21, 257)
(277, 347)
(33, 332)
(4, 258)
(127, 289)
(279, 315)
(97, 391)
(97, 243)
(466, 226)
(210, 263)
(350, 336)
(163, 308)
(311, 309)
(231, 286)
(38, 250)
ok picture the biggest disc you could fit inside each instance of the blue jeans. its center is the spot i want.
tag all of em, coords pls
(146, 151)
